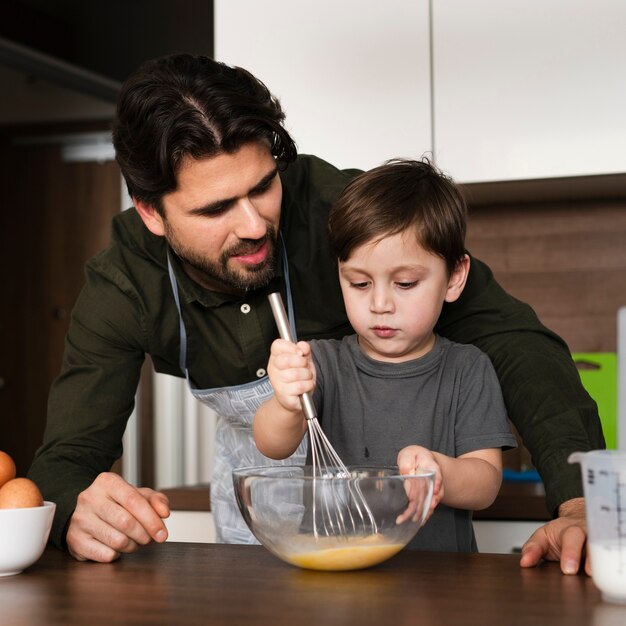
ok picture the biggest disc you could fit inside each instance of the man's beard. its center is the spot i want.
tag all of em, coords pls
(245, 279)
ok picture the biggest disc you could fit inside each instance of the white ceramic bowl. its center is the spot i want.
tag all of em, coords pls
(23, 536)
(332, 523)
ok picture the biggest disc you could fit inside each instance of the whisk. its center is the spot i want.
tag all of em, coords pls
(342, 511)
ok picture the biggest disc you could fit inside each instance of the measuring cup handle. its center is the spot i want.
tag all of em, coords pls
(576, 457)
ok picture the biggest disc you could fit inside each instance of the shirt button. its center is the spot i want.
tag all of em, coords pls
(260, 372)
(245, 308)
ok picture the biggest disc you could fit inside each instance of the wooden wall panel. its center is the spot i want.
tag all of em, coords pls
(566, 259)
(54, 216)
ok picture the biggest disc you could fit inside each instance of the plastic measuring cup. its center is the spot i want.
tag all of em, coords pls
(604, 483)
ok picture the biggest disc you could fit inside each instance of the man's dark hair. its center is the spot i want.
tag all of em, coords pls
(394, 197)
(182, 106)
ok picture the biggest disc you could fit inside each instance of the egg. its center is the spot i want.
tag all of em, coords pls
(20, 493)
(7, 468)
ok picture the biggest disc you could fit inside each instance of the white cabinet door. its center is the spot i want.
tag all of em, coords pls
(529, 89)
(503, 537)
(353, 76)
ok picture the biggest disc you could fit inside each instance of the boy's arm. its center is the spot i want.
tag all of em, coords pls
(277, 431)
(279, 424)
(470, 481)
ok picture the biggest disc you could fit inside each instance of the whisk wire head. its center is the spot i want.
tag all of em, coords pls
(344, 509)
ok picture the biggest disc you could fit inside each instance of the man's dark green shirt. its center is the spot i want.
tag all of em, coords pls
(127, 310)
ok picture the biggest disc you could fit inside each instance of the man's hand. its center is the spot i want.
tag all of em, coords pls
(562, 539)
(113, 517)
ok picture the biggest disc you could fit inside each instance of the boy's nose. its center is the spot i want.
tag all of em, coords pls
(381, 301)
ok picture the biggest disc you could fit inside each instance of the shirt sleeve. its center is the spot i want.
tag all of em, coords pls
(91, 400)
(541, 387)
(481, 419)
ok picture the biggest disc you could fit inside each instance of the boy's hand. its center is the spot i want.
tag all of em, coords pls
(411, 460)
(291, 372)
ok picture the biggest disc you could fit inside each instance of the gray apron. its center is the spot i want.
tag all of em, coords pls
(234, 445)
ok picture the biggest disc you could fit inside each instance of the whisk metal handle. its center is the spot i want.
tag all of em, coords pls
(284, 330)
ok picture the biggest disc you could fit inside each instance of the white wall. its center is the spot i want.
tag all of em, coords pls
(497, 90)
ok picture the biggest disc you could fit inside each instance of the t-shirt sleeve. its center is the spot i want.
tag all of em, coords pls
(481, 420)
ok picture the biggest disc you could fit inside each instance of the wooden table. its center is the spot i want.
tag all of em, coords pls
(182, 583)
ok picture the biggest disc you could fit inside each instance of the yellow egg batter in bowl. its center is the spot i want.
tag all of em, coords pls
(333, 522)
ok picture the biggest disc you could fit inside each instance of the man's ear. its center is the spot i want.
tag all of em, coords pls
(150, 216)
(457, 280)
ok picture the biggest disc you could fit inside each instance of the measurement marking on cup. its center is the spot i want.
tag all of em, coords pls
(621, 528)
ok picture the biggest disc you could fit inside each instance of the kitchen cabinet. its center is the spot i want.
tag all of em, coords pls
(496, 91)
(190, 527)
(529, 89)
(508, 523)
(353, 76)
(503, 537)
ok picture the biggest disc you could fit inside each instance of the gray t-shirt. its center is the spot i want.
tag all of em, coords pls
(448, 401)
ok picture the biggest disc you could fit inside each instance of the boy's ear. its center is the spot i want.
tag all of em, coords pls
(150, 216)
(457, 280)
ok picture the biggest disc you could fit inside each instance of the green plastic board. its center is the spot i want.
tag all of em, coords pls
(598, 374)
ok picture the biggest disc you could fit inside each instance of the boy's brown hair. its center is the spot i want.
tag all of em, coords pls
(396, 196)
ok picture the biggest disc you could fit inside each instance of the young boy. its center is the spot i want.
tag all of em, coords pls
(396, 392)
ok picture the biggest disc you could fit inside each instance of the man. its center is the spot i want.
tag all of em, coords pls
(225, 212)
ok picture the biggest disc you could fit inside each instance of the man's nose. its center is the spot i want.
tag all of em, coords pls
(250, 223)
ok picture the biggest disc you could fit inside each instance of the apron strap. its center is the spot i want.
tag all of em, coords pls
(182, 355)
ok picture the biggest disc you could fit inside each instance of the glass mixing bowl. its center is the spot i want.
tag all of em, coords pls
(333, 522)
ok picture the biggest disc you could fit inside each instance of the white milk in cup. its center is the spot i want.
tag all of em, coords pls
(604, 483)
